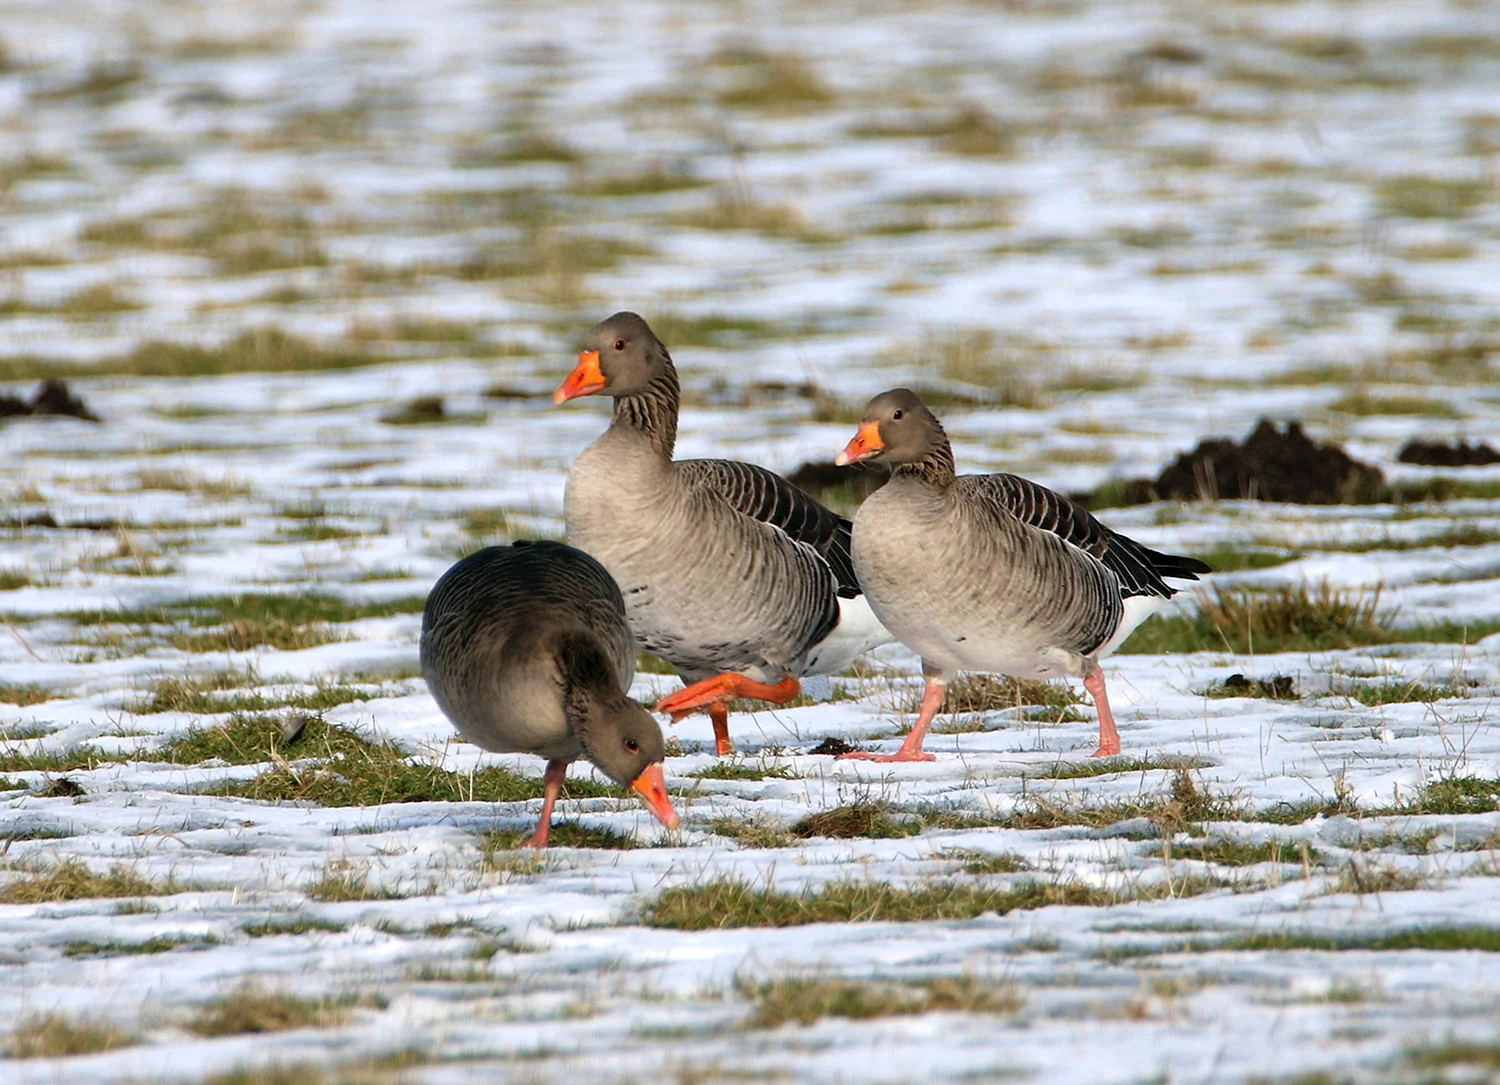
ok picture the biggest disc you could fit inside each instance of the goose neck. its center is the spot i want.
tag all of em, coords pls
(934, 469)
(652, 412)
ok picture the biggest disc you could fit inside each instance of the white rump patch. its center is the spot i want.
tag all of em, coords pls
(1137, 609)
(857, 632)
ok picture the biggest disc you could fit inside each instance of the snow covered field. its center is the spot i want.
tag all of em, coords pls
(315, 267)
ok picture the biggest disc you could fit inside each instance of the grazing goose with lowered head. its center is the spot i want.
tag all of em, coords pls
(733, 575)
(992, 572)
(525, 649)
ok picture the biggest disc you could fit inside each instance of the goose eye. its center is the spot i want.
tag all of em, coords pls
(896, 416)
(619, 344)
(632, 745)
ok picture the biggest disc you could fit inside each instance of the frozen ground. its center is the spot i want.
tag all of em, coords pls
(1104, 230)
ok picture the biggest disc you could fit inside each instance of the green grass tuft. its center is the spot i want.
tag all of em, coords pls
(1238, 853)
(759, 832)
(1109, 766)
(1454, 795)
(251, 1010)
(1456, 1053)
(353, 772)
(255, 738)
(805, 1000)
(984, 862)
(1291, 618)
(727, 902)
(1364, 405)
(159, 944)
(262, 350)
(563, 834)
(651, 182)
(297, 925)
(774, 82)
(860, 819)
(1399, 692)
(71, 879)
(204, 695)
(709, 329)
(739, 770)
(1416, 196)
(1445, 939)
(343, 881)
(25, 696)
(238, 623)
(993, 693)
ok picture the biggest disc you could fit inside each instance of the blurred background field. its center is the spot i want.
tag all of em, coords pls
(309, 270)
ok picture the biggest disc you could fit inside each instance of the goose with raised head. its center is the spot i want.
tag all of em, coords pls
(525, 648)
(735, 576)
(992, 572)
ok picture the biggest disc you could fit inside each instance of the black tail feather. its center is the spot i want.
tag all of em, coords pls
(1177, 566)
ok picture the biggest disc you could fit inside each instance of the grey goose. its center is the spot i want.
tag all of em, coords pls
(736, 577)
(992, 572)
(525, 649)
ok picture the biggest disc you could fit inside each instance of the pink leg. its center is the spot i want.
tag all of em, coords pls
(552, 781)
(718, 712)
(911, 749)
(1109, 738)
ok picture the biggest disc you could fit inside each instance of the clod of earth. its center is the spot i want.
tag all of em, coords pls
(1269, 465)
(61, 788)
(1434, 454)
(421, 409)
(1279, 687)
(831, 747)
(53, 397)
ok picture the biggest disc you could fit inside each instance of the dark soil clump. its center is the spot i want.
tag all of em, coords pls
(1279, 687)
(869, 819)
(53, 397)
(1462, 454)
(1271, 465)
(61, 788)
(832, 747)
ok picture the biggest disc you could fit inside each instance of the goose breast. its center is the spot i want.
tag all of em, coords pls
(704, 585)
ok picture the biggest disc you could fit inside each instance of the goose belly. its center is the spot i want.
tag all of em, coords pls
(511, 709)
(957, 606)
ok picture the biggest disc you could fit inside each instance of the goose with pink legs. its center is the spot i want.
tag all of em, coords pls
(992, 572)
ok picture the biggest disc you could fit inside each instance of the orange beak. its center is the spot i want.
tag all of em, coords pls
(651, 786)
(586, 378)
(866, 443)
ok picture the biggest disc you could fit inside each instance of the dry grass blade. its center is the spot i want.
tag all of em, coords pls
(251, 1010)
(71, 879)
(50, 1036)
(806, 999)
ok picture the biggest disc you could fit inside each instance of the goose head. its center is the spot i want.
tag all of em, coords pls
(616, 733)
(620, 356)
(896, 428)
(626, 744)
